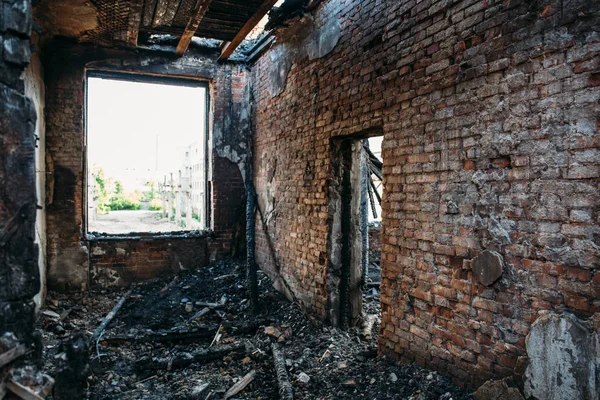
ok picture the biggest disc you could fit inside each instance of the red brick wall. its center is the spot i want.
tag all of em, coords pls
(67, 255)
(69, 259)
(323, 98)
(490, 119)
(120, 262)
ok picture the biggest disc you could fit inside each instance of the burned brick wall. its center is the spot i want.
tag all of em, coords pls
(19, 270)
(123, 261)
(231, 135)
(491, 167)
(318, 82)
(67, 252)
(69, 257)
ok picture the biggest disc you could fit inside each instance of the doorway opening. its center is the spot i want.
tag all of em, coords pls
(354, 272)
(146, 154)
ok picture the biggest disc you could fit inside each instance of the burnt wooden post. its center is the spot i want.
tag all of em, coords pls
(346, 225)
(250, 245)
(364, 211)
(251, 208)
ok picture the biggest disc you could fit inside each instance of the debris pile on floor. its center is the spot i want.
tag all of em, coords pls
(23, 382)
(195, 337)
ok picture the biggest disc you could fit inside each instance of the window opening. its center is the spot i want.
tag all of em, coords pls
(146, 154)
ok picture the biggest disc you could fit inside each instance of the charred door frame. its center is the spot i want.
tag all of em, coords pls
(149, 78)
(348, 235)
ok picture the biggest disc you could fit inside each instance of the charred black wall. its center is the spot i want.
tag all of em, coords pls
(19, 274)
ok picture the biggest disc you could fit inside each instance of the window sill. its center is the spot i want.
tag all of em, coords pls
(174, 235)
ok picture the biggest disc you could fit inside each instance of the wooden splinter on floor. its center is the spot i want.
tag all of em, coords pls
(11, 355)
(34, 390)
(199, 333)
(109, 317)
(6, 358)
(200, 314)
(285, 387)
(25, 393)
(169, 285)
(21, 391)
(158, 337)
(220, 304)
(240, 385)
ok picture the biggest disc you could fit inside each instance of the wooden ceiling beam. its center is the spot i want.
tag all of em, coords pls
(192, 25)
(135, 18)
(262, 10)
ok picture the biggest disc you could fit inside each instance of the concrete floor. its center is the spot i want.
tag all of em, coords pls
(116, 222)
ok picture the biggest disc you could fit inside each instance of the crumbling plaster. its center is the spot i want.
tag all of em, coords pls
(35, 91)
(231, 135)
(311, 36)
(564, 358)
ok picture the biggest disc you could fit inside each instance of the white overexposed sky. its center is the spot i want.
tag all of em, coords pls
(375, 147)
(138, 130)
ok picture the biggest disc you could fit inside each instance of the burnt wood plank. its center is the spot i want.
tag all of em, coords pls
(252, 22)
(183, 13)
(192, 25)
(109, 317)
(246, 9)
(220, 25)
(183, 360)
(172, 8)
(11, 355)
(135, 17)
(159, 14)
(223, 16)
(149, 7)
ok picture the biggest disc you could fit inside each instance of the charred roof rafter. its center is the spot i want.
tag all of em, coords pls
(260, 12)
(135, 18)
(192, 25)
(125, 23)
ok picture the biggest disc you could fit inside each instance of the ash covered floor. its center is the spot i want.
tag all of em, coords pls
(155, 348)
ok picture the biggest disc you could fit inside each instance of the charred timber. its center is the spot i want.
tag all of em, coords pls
(186, 359)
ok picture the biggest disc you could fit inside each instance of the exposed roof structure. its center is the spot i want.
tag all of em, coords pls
(123, 22)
